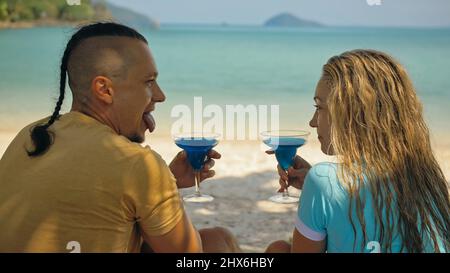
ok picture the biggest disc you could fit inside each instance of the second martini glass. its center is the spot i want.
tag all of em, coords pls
(285, 144)
(197, 147)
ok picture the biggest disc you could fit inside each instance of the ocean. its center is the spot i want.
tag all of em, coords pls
(229, 66)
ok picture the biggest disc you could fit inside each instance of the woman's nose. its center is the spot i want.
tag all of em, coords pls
(313, 121)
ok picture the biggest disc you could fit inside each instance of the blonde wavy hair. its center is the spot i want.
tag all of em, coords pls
(378, 132)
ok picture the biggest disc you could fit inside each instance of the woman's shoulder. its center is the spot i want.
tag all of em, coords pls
(323, 177)
(324, 170)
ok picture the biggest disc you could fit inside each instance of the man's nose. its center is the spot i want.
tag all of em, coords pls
(158, 94)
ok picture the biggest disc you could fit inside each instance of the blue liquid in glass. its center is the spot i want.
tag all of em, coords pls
(196, 149)
(285, 149)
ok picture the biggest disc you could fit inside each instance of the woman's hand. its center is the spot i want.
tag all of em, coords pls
(295, 175)
(184, 173)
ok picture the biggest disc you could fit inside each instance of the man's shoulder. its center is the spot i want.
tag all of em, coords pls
(145, 167)
(99, 139)
(135, 155)
(137, 151)
(27, 129)
(24, 135)
(145, 156)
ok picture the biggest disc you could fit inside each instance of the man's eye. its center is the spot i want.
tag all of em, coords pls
(317, 107)
(150, 83)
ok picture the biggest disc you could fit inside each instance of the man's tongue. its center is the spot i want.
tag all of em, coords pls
(149, 121)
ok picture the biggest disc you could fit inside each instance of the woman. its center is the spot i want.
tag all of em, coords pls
(388, 193)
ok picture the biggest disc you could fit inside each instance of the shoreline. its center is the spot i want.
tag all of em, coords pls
(40, 23)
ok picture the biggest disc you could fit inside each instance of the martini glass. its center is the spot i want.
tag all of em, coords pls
(197, 146)
(285, 144)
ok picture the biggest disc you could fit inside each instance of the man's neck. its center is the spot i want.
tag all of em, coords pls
(100, 116)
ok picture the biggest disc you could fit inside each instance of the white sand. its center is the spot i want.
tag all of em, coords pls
(245, 178)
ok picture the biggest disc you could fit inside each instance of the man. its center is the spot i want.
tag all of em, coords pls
(82, 180)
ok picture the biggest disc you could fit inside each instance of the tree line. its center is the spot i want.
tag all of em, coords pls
(34, 10)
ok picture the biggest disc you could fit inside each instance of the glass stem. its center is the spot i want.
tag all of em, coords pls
(286, 193)
(197, 183)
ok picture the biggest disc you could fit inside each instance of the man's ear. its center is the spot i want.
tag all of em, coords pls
(101, 88)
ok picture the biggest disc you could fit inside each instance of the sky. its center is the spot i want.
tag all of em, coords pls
(410, 13)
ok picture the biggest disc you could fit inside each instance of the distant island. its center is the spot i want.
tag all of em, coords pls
(24, 14)
(289, 20)
(132, 18)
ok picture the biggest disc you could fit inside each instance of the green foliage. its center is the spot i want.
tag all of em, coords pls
(3, 10)
(19, 11)
(26, 10)
(43, 9)
(77, 13)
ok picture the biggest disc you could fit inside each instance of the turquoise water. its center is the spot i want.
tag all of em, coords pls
(234, 65)
(196, 149)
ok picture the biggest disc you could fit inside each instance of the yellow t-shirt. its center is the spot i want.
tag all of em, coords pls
(93, 188)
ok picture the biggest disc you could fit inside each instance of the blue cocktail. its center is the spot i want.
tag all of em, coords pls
(285, 144)
(197, 147)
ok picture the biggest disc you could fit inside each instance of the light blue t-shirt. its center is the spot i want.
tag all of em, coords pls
(323, 213)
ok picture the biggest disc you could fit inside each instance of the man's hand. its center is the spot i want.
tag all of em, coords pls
(295, 175)
(183, 172)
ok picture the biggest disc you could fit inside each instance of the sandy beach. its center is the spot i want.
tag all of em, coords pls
(245, 178)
